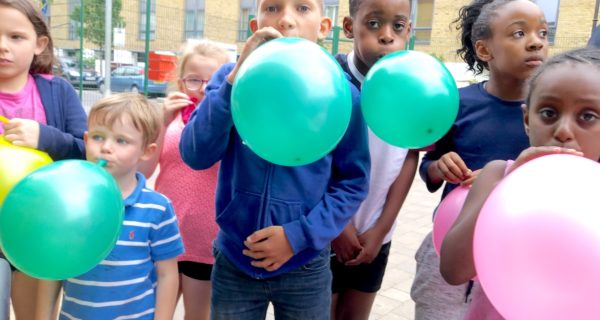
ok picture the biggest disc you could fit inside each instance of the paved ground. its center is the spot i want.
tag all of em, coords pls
(414, 222)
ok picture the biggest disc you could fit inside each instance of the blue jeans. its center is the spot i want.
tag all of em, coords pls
(303, 293)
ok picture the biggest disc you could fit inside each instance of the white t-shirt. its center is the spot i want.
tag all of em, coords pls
(386, 163)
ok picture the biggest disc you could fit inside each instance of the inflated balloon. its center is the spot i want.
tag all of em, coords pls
(61, 220)
(16, 163)
(446, 214)
(537, 241)
(409, 99)
(291, 102)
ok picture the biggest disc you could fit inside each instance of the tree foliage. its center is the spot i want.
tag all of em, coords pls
(93, 21)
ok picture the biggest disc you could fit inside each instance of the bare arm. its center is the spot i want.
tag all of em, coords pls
(373, 238)
(166, 289)
(47, 295)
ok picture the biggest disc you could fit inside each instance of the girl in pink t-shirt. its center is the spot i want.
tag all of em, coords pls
(192, 192)
(43, 113)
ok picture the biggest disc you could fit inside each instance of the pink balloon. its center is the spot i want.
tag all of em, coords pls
(537, 241)
(446, 214)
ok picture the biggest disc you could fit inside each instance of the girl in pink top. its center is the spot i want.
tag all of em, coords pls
(192, 192)
(561, 115)
(44, 113)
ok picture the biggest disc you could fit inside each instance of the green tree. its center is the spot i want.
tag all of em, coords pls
(93, 21)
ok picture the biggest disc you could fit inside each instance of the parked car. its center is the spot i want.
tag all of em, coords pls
(131, 78)
(69, 70)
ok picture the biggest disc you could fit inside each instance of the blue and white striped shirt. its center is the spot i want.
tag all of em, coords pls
(123, 285)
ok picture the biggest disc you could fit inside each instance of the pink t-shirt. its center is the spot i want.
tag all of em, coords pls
(25, 104)
(480, 307)
(193, 195)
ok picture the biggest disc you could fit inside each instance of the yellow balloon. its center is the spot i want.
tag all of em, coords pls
(16, 163)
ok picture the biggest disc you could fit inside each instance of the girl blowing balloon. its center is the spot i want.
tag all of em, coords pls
(561, 115)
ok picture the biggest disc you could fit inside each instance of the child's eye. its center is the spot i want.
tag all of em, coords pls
(399, 26)
(373, 24)
(589, 116)
(547, 113)
(121, 141)
(97, 137)
(17, 37)
(518, 34)
(303, 8)
(271, 9)
(543, 33)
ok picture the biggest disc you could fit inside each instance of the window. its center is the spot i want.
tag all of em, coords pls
(73, 24)
(331, 11)
(142, 28)
(423, 21)
(194, 19)
(246, 13)
(550, 8)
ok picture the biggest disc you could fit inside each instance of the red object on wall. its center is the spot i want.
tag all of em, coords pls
(162, 66)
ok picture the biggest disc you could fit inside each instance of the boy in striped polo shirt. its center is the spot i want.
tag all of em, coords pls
(138, 279)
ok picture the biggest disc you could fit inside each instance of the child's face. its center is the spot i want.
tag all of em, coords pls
(293, 18)
(196, 73)
(378, 28)
(18, 43)
(519, 42)
(564, 109)
(120, 145)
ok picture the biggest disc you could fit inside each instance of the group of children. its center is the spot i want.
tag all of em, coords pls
(311, 240)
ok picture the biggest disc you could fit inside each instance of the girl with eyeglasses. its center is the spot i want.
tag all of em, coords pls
(192, 192)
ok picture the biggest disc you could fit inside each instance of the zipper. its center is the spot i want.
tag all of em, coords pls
(264, 204)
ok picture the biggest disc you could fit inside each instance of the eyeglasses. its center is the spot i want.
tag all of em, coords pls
(194, 84)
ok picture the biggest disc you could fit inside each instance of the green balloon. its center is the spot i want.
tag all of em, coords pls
(409, 99)
(291, 102)
(61, 220)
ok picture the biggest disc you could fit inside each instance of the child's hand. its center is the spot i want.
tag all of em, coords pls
(269, 247)
(346, 246)
(174, 102)
(259, 37)
(536, 152)
(469, 181)
(371, 242)
(22, 132)
(452, 168)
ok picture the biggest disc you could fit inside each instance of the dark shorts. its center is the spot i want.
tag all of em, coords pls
(195, 270)
(365, 277)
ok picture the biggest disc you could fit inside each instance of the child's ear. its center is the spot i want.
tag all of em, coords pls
(41, 44)
(253, 25)
(324, 27)
(149, 151)
(347, 26)
(482, 51)
(525, 110)
(85, 137)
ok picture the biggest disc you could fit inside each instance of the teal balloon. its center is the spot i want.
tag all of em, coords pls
(409, 99)
(61, 220)
(291, 102)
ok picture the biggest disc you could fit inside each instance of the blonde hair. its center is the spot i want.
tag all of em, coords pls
(204, 48)
(147, 117)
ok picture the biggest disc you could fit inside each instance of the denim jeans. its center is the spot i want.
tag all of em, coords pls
(5, 277)
(303, 293)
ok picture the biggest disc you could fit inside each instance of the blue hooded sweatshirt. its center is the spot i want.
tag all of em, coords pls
(312, 202)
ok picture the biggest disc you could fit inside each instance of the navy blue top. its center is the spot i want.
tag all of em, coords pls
(486, 128)
(62, 137)
(312, 202)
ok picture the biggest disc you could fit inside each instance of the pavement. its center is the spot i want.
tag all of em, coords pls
(414, 222)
